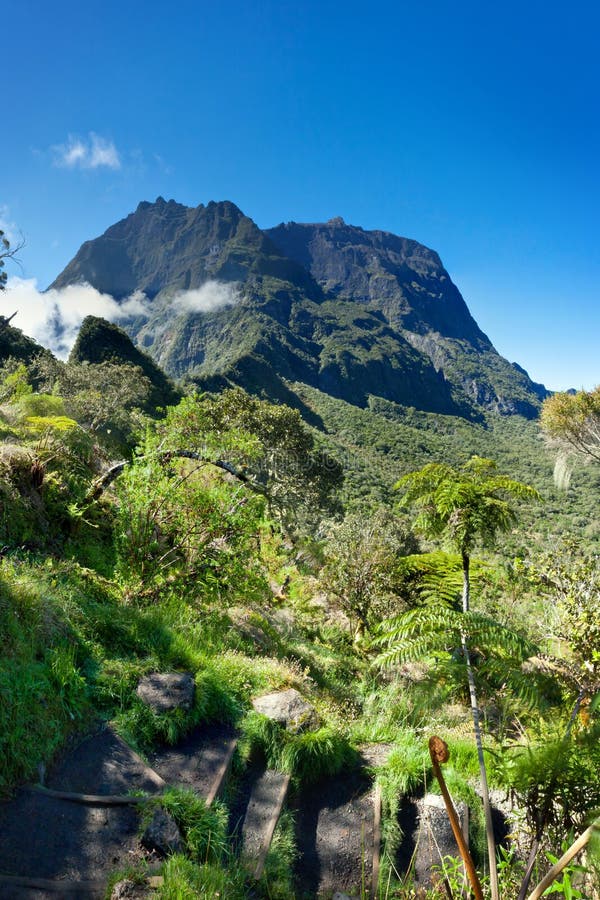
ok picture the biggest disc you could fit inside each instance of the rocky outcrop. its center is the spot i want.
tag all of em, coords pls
(162, 834)
(288, 708)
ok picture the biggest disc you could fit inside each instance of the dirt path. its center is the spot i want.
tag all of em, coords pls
(334, 828)
(43, 837)
(77, 846)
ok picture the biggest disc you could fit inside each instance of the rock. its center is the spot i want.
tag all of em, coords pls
(329, 613)
(163, 692)
(375, 754)
(246, 624)
(434, 837)
(289, 708)
(128, 890)
(163, 834)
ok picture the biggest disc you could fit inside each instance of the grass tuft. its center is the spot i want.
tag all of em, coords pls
(204, 828)
(186, 880)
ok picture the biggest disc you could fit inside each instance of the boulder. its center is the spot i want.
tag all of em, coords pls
(247, 625)
(164, 691)
(432, 838)
(128, 890)
(289, 708)
(163, 834)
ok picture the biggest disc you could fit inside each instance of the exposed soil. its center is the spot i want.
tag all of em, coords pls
(334, 829)
(239, 792)
(197, 760)
(43, 837)
(103, 764)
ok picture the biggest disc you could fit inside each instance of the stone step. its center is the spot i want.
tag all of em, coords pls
(104, 764)
(262, 814)
(338, 836)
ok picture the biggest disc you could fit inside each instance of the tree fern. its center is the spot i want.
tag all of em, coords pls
(437, 577)
(464, 506)
(438, 630)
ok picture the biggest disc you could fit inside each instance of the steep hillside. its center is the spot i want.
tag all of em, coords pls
(409, 284)
(352, 313)
(100, 341)
(15, 344)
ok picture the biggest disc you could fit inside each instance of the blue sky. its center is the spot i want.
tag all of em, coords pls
(472, 127)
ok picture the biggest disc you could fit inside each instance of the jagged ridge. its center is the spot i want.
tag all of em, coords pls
(351, 312)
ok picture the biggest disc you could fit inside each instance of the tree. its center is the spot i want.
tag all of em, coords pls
(6, 252)
(268, 442)
(108, 399)
(465, 507)
(572, 422)
(175, 520)
(570, 577)
(362, 557)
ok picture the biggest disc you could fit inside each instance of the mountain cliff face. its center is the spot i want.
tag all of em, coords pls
(409, 284)
(402, 278)
(350, 312)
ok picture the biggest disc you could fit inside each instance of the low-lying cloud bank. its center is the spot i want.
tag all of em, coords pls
(53, 318)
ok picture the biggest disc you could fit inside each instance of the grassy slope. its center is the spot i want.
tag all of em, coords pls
(379, 444)
(76, 642)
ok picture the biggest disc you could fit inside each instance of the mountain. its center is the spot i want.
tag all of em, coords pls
(100, 341)
(353, 313)
(409, 285)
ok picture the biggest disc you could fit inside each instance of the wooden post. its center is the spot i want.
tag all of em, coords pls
(438, 750)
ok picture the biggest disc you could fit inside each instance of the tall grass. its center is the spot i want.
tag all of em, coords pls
(186, 880)
(307, 756)
(204, 828)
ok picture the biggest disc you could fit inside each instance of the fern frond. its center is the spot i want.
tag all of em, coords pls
(408, 651)
(483, 632)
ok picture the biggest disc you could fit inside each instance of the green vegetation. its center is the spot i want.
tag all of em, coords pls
(212, 537)
(6, 252)
(573, 421)
(379, 444)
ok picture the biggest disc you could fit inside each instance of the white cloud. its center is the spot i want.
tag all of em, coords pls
(211, 295)
(94, 152)
(53, 318)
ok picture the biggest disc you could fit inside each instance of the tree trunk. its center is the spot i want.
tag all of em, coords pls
(466, 562)
(489, 828)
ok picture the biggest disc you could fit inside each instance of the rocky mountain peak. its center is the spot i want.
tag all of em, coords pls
(355, 313)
